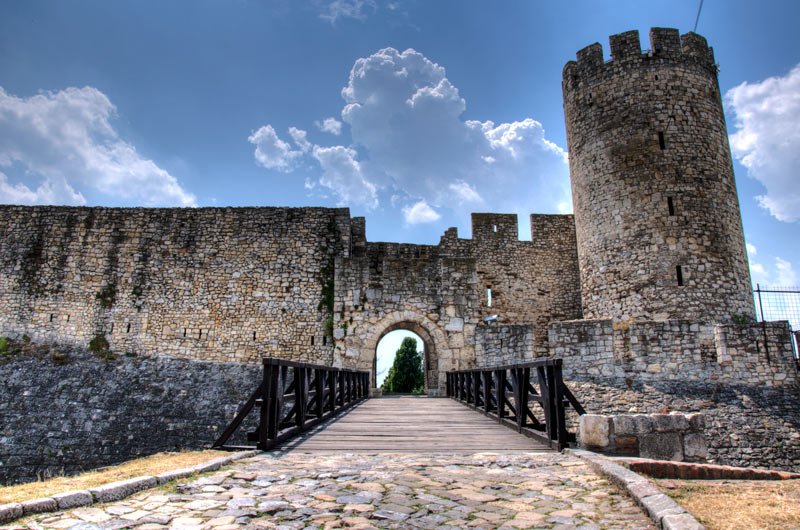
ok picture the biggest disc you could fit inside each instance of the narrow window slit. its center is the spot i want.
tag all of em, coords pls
(67, 318)
(489, 296)
(679, 274)
(128, 328)
(52, 316)
(494, 228)
(254, 335)
(325, 340)
(661, 142)
(312, 340)
(184, 332)
(200, 334)
(671, 206)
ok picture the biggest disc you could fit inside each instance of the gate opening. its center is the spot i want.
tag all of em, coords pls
(400, 377)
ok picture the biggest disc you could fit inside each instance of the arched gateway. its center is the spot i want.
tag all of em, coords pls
(364, 339)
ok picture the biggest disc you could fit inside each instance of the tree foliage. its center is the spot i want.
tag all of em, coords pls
(405, 375)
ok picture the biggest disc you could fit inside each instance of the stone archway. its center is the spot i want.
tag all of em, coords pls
(429, 350)
(433, 337)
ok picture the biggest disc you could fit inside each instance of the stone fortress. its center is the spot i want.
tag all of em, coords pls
(645, 291)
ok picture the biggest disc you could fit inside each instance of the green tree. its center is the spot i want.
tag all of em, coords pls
(405, 375)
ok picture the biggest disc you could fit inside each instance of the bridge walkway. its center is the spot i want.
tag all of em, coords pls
(413, 424)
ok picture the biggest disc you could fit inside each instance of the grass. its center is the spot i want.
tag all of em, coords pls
(150, 465)
(746, 504)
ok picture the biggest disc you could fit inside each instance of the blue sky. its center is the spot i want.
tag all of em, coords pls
(411, 113)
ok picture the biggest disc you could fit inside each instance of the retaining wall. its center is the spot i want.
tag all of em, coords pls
(62, 412)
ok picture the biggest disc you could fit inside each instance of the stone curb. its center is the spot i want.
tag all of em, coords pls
(665, 513)
(110, 492)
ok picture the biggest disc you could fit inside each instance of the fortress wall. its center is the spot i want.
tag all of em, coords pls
(498, 345)
(227, 284)
(658, 222)
(532, 282)
(80, 412)
(677, 351)
(746, 425)
(444, 287)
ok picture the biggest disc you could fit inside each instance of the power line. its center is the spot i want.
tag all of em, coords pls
(696, 20)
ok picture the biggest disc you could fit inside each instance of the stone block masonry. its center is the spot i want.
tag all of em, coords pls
(226, 284)
(677, 437)
(656, 211)
(745, 425)
(69, 412)
(677, 350)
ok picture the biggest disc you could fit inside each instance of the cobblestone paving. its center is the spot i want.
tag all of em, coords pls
(511, 490)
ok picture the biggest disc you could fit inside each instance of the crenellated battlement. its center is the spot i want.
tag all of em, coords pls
(666, 44)
(633, 123)
(494, 227)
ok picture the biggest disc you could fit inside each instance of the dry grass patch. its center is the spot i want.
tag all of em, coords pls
(150, 465)
(745, 504)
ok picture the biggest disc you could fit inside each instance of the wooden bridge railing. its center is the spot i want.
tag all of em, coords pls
(508, 392)
(295, 397)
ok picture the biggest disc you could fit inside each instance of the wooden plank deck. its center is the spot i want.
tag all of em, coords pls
(413, 424)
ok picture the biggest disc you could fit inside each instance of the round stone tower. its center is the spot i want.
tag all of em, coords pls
(656, 212)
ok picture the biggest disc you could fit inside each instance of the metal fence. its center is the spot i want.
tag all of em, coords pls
(780, 303)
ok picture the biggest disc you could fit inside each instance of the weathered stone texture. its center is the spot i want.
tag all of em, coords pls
(441, 293)
(677, 350)
(744, 425)
(652, 182)
(228, 284)
(81, 412)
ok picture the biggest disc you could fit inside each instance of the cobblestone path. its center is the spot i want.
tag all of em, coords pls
(295, 490)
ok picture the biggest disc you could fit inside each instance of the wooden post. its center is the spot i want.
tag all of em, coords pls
(500, 393)
(319, 389)
(270, 417)
(558, 398)
(333, 385)
(300, 395)
(342, 402)
(486, 380)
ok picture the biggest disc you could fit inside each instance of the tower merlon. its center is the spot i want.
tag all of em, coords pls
(666, 44)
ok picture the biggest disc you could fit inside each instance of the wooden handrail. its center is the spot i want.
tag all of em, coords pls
(507, 393)
(294, 397)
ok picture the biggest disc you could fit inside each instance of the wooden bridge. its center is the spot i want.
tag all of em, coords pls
(400, 424)
(330, 408)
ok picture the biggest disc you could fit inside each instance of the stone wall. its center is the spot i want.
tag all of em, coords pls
(677, 350)
(657, 216)
(442, 292)
(745, 425)
(64, 411)
(228, 284)
(498, 345)
(676, 437)
(236, 284)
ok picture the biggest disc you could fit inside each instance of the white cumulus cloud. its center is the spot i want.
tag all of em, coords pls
(420, 212)
(272, 152)
(464, 192)
(330, 125)
(787, 277)
(65, 140)
(343, 174)
(767, 139)
(299, 138)
(407, 116)
(338, 9)
(410, 139)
